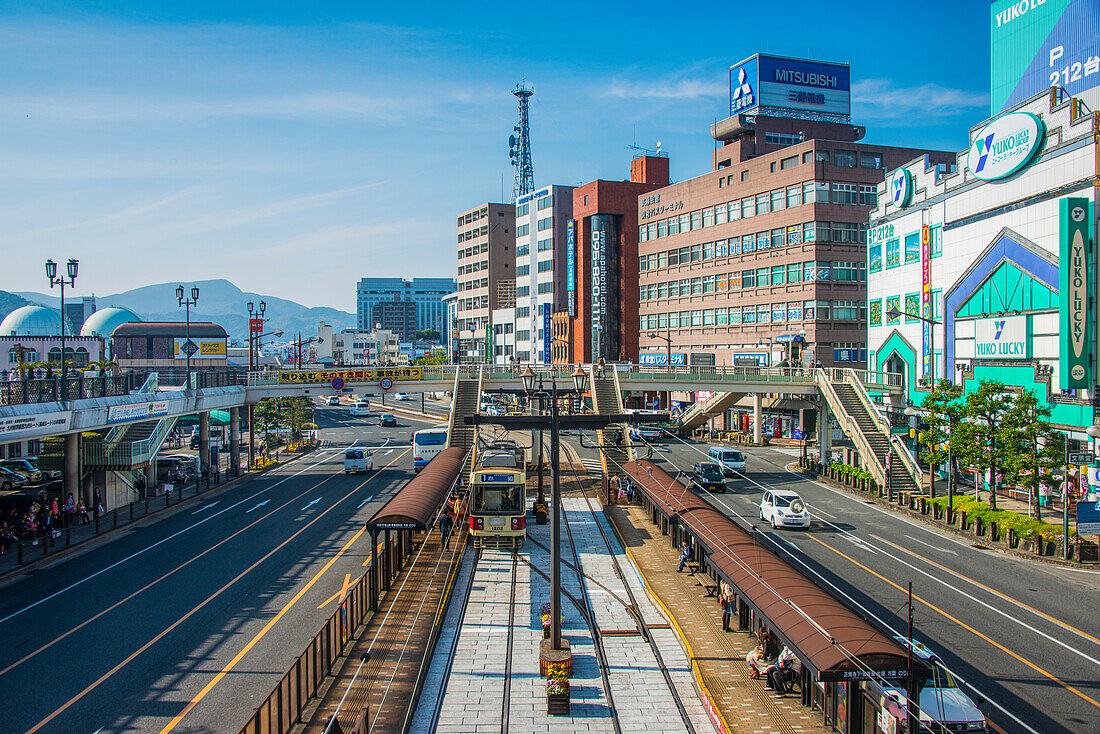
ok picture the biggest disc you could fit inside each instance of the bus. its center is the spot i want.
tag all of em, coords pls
(498, 488)
(650, 431)
(426, 443)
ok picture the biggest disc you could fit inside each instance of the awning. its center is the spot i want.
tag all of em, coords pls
(832, 640)
(414, 504)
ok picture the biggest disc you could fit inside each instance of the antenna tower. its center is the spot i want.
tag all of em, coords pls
(519, 148)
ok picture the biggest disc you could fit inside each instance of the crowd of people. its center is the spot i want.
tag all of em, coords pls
(44, 516)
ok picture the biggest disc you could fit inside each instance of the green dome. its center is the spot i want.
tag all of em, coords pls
(104, 321)
(31, 321)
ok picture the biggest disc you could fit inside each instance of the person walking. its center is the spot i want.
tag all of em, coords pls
(685, 556)
(97, 503)
(446, 525)
(629, 490)
(725, 599)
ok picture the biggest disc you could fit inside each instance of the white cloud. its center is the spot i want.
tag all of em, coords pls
(880, 99)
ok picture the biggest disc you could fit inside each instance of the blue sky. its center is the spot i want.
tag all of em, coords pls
(295, 149)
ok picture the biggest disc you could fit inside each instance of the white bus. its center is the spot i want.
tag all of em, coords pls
(426, 443)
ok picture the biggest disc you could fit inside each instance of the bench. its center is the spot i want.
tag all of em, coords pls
(711, 589)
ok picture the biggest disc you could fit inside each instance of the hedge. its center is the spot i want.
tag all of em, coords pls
(1025, 527)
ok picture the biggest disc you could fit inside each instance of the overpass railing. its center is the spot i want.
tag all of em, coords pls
(54, 389)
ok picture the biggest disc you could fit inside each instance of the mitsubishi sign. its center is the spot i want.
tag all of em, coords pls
(785, 87)
(1005, 145)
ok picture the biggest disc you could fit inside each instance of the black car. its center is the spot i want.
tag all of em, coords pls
(387, 419)
(708, 476)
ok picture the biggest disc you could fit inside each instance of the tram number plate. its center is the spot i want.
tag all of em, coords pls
(497, 522)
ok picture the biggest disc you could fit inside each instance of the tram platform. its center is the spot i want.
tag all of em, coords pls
(741, 703)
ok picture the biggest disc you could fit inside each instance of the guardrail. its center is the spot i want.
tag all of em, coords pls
(853, 380)
(54, 389)
(851, 428)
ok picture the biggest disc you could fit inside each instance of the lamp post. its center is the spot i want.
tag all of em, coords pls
(71, 269)
(895, 313)
(303, 342)
(914, 420)
(187, 303)
(668, 357)
(253, 359)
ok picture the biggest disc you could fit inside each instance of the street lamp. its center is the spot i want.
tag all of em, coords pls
(668, 356)
(914, 421)
(71, 268)
(895, 313)
(188, 346)
(253, 359)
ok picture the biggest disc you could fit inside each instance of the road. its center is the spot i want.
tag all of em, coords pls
(1020, 634)
(186, 623)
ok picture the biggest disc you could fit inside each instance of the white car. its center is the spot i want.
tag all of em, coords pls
(359, 408)
(402, 396)
(784, 509)
(731, 460)
(332, 400)
(358, 461)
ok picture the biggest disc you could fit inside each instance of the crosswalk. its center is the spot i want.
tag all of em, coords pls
(592, 465)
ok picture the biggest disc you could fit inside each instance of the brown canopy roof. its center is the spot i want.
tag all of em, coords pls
(205, 329)
(415, 503)
(779, 593)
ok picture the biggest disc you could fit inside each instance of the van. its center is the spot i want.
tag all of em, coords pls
(731, 460)
(358, 461)
(359, 408)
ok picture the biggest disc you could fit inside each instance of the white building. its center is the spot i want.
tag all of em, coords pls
(541, 218)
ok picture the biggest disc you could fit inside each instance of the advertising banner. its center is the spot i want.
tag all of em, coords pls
(1004, 337)
(791, 87)
(571, 267)
(256, 326)
(926, 297)
(140, 411)
(312, 377)
(206, 348)
(679, 359)
(488, 343)
(15, 427)
(1073, 294)
(547, 335)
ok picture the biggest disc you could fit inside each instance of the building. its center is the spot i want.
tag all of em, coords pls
(601, 255)
(159, 345)
(356, 347)
(22, 351)
(31, 320)
(486, 261)
(764, 258)
(1037, 45)
(396, 316)
(77, 311)
(542, 218)
(104, 322)
(996, 253)
(450, 323)
(426, 293)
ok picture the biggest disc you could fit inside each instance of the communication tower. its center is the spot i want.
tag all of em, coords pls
(519, 148)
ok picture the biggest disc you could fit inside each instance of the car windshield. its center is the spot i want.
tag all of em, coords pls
(710, 471)
(355, 454)
(431, 439)
(387, 417)
(784, 500)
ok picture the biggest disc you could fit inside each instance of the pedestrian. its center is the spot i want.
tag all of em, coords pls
(725, 595)
(446, 524)
(97, 503)
(139, 485)
(629, 489)
(685, 556)
(7, 537)
(70, 510)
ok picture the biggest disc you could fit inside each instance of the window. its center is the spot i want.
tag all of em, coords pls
(893, 253)
(684, 223)
(868, 195)
(893, 302)
(794, 234)
(685, 319)
(545, 245)
(674, 226)
(937, 304)
(674, 258)
(523, 229)
(874, 256)
(523, 250)
(734, 209)
(794, 310)
(546, 266)
(662, 259)
(912, 306)
(848, 232)
(779, 275)
(721, 214)
(748, 314)
(822, 308)
(748, 279)
(545, 202)
(847, 271)
(781, 139)
(794, 196)
(662, 290)
(763, 240)
(545, 288)
(809, 312)
(779, 312)
(779, 200)
(794, 273)
(745, 175)
(545, 224)
(523, 270)
(642, 264)
(762, 201)
(708, 284)
(748, 208)
(844, 158)
(870, 160)
(708, 217)
(523, 290)
(810, 191)
(779, 237)
(763, 313)
(875, 313)
(523, 312)
(652, 234)
(523, 210)
(696, 286)
(735, 280)
(748, 243)
(708, 250)
(763, 277)
(708, 317)
(846, 310)
(696, 220)
(937, 240)
(696, 318)
(722, 316)
(788, 162)
(845, 193)
(651, 261)
(662, 321)
(735, 245)
(696, 253)
(912, 247)
(522, 336)
(662, 228)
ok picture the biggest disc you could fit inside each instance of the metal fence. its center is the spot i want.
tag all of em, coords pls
(54, 389)
(283, 707)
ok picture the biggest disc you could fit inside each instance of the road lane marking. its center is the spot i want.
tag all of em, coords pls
(366, 499)
(154, 545)
(965, 626)
(95, 684)
(257, 506)
(918, 540)
(311, 504)
(206, 507)
(339, 594)
(1006, 597)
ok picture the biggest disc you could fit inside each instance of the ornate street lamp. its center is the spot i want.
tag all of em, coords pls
(71, 268)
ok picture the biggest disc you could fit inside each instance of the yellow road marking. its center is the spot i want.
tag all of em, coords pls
(339, 594)
(965, 626)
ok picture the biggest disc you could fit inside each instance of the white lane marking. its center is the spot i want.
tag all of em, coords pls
(154, 545)
(257, 506)
(859, 543)
(387, 452)
(933, 547)
(365, 501)
(311, 504)
(826, 514)
(204, 508)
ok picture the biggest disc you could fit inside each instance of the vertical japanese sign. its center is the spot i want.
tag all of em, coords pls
(547, 335)
(571, 267)
(599, 287)
(1074, 293)
(926, 297)
(488, 343)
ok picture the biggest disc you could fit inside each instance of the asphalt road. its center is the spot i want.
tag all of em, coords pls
(187, 623)
(1020, 634)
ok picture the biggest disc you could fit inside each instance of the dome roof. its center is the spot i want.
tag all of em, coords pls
(104, 321)
(31, 321)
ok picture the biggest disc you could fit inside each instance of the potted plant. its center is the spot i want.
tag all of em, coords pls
(544, 615)
(557, 690)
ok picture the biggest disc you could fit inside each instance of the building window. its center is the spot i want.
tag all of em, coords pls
(846, 310)
(781, 139)
(794, 196)
(846, 271)
(779, 237)
(846, 232)
(745, 175)
(937, 304)
(748, 314)
(546, 266)
(763, 314)
(809, 192)
(762, 202)
(870, 160)
(545, 224)
(844, 158)
(794, 310)
(545, 202)
(763, 277)
(868, 195)
(523, 210)
(874, 255)
(653, 230)
(673, 226)
(779, 273)
(912, 306)
(662, 228)
(721, 214)
(545, 245)
(708, 250)
(523, 250)
(545, 288)
(875, 313)
(748, 279)
(845, 193)
(642, 232)
(696, 220)
(779, 200)
(748, 207)
(733, 208)
(523, 229)
(684, 224)
(936, 244)
(893, 302)
(788, 163)
(708, 217)
(912, 247)
(523, 270)
(893, 253)
(523, 290)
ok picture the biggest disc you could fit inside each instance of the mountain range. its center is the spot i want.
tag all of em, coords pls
(219, 301)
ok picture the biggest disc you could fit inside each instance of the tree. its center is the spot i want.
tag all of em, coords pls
(296, 411)
(431, 335)
(436, 356)
(1034, 449)
(105, 366)
(978, 434)
(943, 410)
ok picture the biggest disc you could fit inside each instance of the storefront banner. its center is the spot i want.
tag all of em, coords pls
(139, 411)
(315, 377)
(1001, 338)
(206, 348)
(1073, 293)
(679, 359)
(15, 427)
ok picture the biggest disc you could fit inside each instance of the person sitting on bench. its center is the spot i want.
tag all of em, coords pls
(785, 671)
(761, 657)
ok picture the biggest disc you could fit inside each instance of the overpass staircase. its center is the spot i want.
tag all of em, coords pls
(465, 402)
(870, 432)
(698, 414)
(616, 448)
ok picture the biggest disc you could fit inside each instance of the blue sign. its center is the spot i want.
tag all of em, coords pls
(337, 383)
(791, 88)
(488, 478)
(571, 267)
(679, 359)
(744, 79)
(547, 334)
(1088, 518)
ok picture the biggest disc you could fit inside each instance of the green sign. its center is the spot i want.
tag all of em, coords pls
(1073, 292)
(488, 342)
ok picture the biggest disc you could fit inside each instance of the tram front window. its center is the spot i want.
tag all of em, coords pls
(499, 499)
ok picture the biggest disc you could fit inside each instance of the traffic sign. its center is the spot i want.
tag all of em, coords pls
(1078, 459)
(385, 383)
(189, 347)
(337, 383)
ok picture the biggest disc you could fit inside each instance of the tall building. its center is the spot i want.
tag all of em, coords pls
(77, 311)
(601, 252)
(542, 218)
(426, 293)
(396, 316)
(486, 271)
(764, 258)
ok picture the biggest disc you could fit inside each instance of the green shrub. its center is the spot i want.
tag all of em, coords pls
(1025, 527)
(856, 472)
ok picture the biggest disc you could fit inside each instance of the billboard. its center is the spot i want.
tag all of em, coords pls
(205, 348)
(571, 267)
(604, 301)
(785, 87)
(1038, 44)
(1073, 293)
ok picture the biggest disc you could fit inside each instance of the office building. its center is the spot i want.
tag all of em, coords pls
(426, 293)
(396, 316)
(601, 255)
(541, 221)
(486, 261)
(77, 311)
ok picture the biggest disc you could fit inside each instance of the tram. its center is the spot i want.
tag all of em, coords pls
(498, 513)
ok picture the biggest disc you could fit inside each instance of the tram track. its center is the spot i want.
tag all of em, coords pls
(506, 704)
